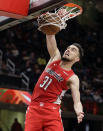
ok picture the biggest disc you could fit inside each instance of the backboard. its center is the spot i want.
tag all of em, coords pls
(36, 8)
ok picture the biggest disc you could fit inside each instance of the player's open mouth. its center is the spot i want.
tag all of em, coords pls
(67, 54)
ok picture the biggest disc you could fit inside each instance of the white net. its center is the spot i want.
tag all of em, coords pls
(51, 19)
(59, 18)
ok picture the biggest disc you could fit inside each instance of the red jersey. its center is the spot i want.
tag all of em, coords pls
(52, 84)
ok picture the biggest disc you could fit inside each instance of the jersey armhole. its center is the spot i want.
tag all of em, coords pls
(70, 75)
(54, 62)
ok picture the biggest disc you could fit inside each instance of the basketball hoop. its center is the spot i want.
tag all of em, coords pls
(71, 10)
(51, 23)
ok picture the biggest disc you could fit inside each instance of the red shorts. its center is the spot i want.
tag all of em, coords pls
(43, 117)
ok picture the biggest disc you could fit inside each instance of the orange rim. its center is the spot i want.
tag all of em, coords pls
(74, 5)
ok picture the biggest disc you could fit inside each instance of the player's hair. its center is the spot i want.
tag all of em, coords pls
(81, 51)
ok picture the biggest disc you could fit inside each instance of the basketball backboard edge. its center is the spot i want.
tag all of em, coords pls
(36, 8)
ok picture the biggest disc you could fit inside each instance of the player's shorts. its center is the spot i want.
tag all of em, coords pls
(43, 117)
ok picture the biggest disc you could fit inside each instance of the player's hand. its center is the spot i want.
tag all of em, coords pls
(80, 117)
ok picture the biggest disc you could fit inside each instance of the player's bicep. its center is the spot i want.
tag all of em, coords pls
(52, 46)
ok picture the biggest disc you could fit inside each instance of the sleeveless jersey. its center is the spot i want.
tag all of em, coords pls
(52, 84)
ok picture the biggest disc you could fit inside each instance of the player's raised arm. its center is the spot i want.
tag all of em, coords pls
(74, 86)
(52, 48)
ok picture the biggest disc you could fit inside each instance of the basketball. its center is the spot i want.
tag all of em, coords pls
(62, 12)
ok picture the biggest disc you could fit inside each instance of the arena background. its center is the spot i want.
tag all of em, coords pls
(23, 56)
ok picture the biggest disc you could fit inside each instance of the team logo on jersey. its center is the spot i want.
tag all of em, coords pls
(53, 73)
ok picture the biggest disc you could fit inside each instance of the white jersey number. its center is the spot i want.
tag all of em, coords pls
(46, 82)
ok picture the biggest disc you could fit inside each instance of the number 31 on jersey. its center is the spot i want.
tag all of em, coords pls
(46, 82)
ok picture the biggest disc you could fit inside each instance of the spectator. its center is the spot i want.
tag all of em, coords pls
(16, 126)
(97, 97)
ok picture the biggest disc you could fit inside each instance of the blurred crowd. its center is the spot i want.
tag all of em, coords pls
(25, 46)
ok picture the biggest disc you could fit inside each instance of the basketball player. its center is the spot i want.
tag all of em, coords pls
(43, 114)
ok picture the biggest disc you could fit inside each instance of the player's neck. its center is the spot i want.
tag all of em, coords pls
(66, 65)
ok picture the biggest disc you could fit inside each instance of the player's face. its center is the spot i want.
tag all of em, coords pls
(71, 54)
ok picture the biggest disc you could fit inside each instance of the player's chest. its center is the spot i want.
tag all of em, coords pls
(57, 73)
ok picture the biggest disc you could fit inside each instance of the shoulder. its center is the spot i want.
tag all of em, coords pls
(73, 82)
(74, 78)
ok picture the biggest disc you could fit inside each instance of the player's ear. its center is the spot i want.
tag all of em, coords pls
(77, 59)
